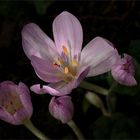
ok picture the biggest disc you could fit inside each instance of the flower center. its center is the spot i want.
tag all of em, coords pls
(126, 66)
(11, 103)
(66, 65)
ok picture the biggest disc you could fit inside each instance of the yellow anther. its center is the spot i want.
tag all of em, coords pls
(59, 61)
(75, 63)
(65, 50)
(66, 70)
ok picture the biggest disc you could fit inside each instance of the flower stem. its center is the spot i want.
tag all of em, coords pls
(111, 98)
(76, 130)
(93, 87)
(96, 101)
(29, 125)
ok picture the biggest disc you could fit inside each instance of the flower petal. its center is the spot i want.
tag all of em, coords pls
(68, 32)
(63, 88)
(129, 60)
(36, 42)
(45, 70)
(61, 108)
(25, 98)
(99, 55)
(44, 89)
(5, 116)
(22, 102)
(66, 88)
(123, 77)
(82, 73)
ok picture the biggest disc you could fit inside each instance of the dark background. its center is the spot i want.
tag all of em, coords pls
(118, 21)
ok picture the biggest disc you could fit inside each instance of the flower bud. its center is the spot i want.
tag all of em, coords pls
(61, 108)
(123, 71)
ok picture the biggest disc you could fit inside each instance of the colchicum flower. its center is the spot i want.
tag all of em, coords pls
(61, 108)
(62, 63)
(123, 71)
(15, 103)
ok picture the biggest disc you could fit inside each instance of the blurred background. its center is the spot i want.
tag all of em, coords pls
(115, 20)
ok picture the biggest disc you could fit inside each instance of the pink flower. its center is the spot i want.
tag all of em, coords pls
(61, 62)
(15, 102)
(61, 108)
(123, 71)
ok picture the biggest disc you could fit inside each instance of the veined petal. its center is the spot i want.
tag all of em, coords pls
(45, 69)
(36, 42)
(66, 88)
(37, 88)
(129, 60)
(68, 32)
(123, 77)
(61, 108)
(99, 55)
(123, 72)
(104, 65)
(63, 87)
(82, 73)
(55, 89)
(5, 116)
(15, 102)
(25, 98)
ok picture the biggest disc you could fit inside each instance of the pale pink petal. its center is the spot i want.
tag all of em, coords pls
(45, 69)
(25, 110)
(68, 32)
(82, 73)
(130, 61)
(99, 55)
(105, 65)
(63, 88)
(55, 89)
(66, 88)
(21, 115)
(37, 88)
(123, 72)
(61, 108)
(7, 117)
(25, 98)
(123, 77)
(36, 42)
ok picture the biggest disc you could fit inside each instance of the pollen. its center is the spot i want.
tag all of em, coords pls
(59, 61)
(12, 104)
(75, 63)
(66, 70)
(65, 50)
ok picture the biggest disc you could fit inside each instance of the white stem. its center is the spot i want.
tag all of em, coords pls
(76, 130)
(29, 125)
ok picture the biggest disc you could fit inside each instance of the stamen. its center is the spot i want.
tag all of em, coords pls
(12, 104)
(66, 70)
(75, 63)
(65, 50)
(59, 61)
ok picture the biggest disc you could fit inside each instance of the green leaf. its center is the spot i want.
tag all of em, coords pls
(102, 128)
(122, 127)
